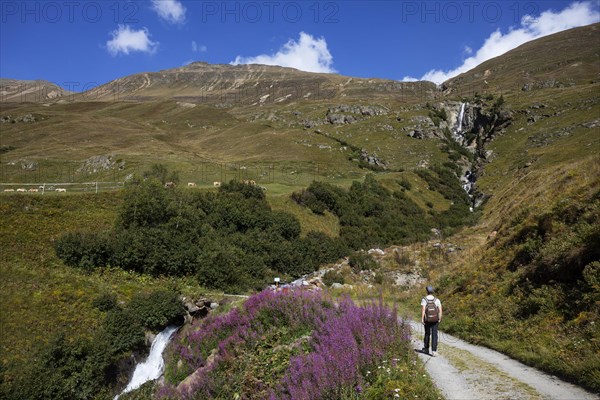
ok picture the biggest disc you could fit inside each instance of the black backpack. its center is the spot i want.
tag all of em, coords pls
(432, 313)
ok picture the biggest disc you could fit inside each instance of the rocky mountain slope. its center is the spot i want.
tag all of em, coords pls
(38, 91)
(564, 59)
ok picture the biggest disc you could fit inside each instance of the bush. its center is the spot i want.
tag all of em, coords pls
(105, 302)
(146, 204)
(121, 331)
(85, 250)
(332, 276)
(161, 173)
(285, 225)
(157, 309)
(406, 184)
(361, 261)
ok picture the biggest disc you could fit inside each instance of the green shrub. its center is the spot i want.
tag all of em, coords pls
(146, 204)
(157, 309)
(105, 302)
(285, 225)
(405, 184)
(332, 276)
(362, 261)
(121, 331)
(403, 258)
(85, 250)
(247, 191)
(161, 173)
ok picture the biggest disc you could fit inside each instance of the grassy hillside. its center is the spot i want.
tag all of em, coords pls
(526, 281)
(564, 59)
(41, 296)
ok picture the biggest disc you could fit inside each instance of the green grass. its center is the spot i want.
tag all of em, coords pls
(38, 294)
(309, 221)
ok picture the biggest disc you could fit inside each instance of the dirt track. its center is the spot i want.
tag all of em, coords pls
(463, 371)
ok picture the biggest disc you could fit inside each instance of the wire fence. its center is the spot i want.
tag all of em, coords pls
(59, 187)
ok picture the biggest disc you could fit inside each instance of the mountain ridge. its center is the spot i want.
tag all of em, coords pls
(205, 81)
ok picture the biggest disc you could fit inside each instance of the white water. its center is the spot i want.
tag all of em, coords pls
(459, 121)
(152, 367)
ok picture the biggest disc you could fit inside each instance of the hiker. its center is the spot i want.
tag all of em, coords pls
(431, 316)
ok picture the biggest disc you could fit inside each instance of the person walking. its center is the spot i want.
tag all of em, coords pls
(431, 316)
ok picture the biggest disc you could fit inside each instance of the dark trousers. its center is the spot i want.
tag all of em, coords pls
(431, 329)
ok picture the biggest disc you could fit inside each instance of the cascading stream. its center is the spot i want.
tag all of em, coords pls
(468, 179)
(459, 121)
(152, 367)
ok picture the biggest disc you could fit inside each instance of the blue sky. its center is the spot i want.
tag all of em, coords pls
(81, 44)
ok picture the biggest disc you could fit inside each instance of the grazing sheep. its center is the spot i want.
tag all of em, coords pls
(170, 185)
(217, 184)
(191, 184)
(61, 190)
(21, 190)
(9, 190)
(33, 190)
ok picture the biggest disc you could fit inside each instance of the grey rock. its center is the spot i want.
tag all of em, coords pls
(100, 163)
(359, 110)
(417, 134)
(340, 119)
(27, 118)
(592, 124)
(310, 123)
(27, 165)
(191, 307)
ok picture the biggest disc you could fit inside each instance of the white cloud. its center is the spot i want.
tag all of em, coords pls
(125, 40)
(307, 54)
(409, 79)
(468, 50)
(549, 22)
(170, 10)
(196, 48)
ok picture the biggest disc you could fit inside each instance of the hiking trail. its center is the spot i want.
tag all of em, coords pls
(463, 371)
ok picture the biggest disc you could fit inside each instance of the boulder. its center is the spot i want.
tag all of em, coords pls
(339, 119)
(376, 251)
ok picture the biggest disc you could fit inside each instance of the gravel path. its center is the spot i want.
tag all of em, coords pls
(463, 371)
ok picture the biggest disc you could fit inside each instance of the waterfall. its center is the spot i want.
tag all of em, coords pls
(459, 121)
(152, 367)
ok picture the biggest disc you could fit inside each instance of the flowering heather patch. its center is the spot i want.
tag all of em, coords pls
(297, 345)
(344, 348)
